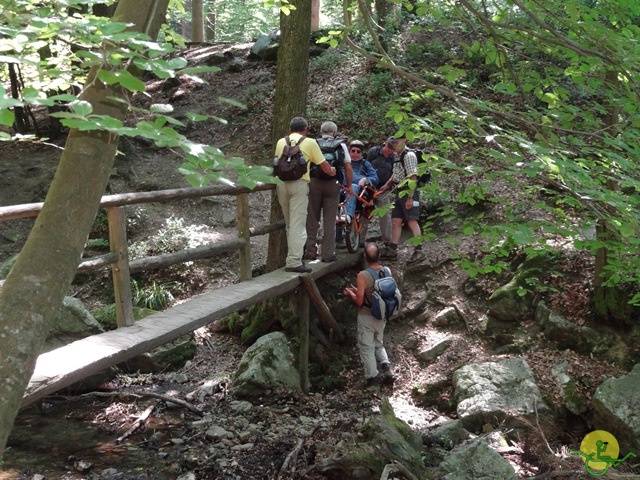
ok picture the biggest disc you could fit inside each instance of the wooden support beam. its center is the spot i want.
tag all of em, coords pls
(303, 357)
(120, 269)
(242, 212)
(321, 306)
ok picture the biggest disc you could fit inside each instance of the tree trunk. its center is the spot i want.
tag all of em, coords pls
(315, 15)
(34, 290)
(186, 23)
(197, 20)
(290, 100)
(610, 303)
(210, 24)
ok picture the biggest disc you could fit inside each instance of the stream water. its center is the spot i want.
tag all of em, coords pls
(62, 442)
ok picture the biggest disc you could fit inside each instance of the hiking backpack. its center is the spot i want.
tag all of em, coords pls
(334, 154)
(382, 164)
(386, 299)
(423, 178)
(291, 165)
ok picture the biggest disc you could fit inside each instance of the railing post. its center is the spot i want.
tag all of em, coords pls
(242, 207)
(120, 269)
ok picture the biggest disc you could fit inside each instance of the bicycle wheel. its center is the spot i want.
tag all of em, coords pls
(352, 234)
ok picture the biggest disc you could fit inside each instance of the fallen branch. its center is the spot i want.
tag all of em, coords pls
(535, 408)
(144, 393)
(137, 424)
(293, 455)
(291, 458)
(396, 466)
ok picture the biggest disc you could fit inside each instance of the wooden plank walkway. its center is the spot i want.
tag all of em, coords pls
(66, 365)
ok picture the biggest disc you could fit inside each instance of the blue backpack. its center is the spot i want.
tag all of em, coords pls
(386, 299)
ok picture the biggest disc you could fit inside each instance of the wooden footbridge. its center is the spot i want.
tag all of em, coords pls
(67, 365)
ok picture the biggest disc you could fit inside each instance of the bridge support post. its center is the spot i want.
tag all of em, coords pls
(120, 269)
(303, 355)
(242, 204)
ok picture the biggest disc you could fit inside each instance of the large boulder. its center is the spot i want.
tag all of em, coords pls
(566, 334)
(169, 356)
(384, 441)
(477, 461)
(265, 365)
(496, 392)
(616, 404)
(266, 47)
(7, 265)
(516, 301)
(73, 322)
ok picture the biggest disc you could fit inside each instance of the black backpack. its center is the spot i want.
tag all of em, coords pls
(291, 165)
(334, 154)
(423, 178)
(382, 164)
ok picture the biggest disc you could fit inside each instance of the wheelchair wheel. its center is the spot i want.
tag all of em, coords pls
(352, 237)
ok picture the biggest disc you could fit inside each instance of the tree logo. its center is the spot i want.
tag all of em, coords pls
(600, 450)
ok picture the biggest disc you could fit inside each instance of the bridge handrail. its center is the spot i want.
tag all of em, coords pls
(28, 210)
(118, 257)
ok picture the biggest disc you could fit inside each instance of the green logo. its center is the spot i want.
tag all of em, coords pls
(600, 450)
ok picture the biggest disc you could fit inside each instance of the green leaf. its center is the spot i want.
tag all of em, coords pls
(6, 117)
(81, 107)
(233, 102)
(122, 77)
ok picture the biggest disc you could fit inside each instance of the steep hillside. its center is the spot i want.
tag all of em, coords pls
(423, 393)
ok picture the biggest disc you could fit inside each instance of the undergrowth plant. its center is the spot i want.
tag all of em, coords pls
(156, 296)
(174, 236)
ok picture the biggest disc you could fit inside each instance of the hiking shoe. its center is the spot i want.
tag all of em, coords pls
(308, 256)
(372, 383)
(299, 269)
(386, 374)
(388, 253)
(332, 258)
(416, 256)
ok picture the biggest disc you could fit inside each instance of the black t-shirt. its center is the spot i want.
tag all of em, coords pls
(382, 164)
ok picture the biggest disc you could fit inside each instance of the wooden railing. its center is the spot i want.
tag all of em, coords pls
(118, 257)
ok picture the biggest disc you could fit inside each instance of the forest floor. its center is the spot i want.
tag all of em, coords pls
(75, 437)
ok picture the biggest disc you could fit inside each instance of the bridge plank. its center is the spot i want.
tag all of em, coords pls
(66, 365)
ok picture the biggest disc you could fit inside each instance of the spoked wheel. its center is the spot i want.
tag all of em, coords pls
(352, 237)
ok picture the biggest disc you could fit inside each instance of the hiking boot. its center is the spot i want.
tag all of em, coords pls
(389, 253)
(386, 374)
(299, 269)
(372, 383)
(416, 256)
(332, 258)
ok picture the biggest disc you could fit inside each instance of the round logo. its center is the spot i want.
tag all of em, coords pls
(599, 444)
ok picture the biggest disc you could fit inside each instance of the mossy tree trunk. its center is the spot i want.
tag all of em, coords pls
(290, 100)
(42, 274)
(610, 303)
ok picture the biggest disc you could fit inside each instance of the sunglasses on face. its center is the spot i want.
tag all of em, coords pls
(355, 150)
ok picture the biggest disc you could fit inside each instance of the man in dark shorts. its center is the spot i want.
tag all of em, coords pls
(406, 208)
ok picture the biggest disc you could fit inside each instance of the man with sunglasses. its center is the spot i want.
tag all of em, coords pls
(363, 174)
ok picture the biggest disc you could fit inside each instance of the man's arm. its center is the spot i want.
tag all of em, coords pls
(356, 294)
(328, 169)
(348, 173)
(410, 164)
(348, 170)
(312, 151)
(371, 173)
